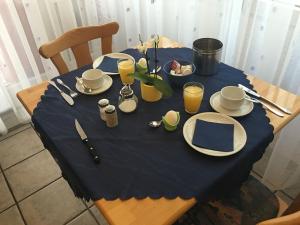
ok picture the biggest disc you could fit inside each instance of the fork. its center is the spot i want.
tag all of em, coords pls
(275, 111)
(73, 94)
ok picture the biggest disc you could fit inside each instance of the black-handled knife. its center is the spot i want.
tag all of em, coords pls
(85, 141)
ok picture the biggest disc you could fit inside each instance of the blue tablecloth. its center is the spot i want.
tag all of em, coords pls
(139, 161)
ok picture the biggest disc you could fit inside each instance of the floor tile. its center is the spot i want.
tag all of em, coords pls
(53, 205)
(15, 131)
(6, 199)
(100, 218)
(293, 190)
(84, 219)
(255, 175)
(89, 203)
(32, 174)
(11, 216)
(19, 147)
(260, 166)
(291, 175)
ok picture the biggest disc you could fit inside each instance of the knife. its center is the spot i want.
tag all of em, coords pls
(249, 91)
(273, 110)
(85, 141)
(66, 97)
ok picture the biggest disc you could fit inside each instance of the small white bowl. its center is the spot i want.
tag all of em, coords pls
(232, 97)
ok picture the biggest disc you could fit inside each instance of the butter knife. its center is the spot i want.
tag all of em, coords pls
(249, 91)
(85, 141)
(273, 110)
(66, 97)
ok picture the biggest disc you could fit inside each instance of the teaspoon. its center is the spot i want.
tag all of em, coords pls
(85, 89)
(155, 123)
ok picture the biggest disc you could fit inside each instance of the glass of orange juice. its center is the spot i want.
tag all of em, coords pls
(125, 67)
(192, 96)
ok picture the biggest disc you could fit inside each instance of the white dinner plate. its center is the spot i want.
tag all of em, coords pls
(239, 136)
(116, 55)
(107, 82)
(245, 109)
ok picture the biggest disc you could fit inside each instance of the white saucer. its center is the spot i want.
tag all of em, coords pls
(245, 109)
(115, 55)
(239, 133)
(107, 82)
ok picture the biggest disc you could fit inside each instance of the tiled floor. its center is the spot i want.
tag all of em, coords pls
(32, 191)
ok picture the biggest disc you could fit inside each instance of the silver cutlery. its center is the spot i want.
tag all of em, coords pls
(249, 91)
(72, 93)
(66, 97)
(85, 89)
(155, 123)
(85, 141)
(273, 110)
(157, 69)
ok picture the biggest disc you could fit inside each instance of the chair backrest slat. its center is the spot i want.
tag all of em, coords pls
(106, 44)
(59, 63)
(77, 39)
(82, 54)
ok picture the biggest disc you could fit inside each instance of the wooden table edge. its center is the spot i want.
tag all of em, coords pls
(182, 205)
(21, 95)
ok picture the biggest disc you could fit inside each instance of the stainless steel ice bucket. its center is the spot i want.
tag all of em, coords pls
(207, 55)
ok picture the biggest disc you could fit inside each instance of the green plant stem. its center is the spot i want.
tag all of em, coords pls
(141, 41)
(155, 59)
(156, 41)
(147, 61)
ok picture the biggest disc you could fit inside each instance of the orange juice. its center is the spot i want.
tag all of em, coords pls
(126, 67)
(192, 96)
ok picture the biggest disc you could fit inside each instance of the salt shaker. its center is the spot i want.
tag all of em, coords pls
(111, 116)
(127, 100)
(102, 103)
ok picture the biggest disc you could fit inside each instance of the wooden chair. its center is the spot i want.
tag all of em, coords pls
(292, 219)
(250, 205)
(291, 216)
(77, 39)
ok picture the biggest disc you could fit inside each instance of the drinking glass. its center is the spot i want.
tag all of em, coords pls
(125, 67)
(192, 96)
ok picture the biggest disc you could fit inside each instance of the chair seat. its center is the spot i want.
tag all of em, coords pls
(253, 203)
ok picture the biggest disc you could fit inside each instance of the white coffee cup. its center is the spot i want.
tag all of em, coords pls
(93, 78)
(232, 97)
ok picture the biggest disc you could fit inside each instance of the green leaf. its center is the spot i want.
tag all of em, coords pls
(163, 87)
(141, 77)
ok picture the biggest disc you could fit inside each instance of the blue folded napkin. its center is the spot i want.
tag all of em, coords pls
(215, 136)
(109, 64)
